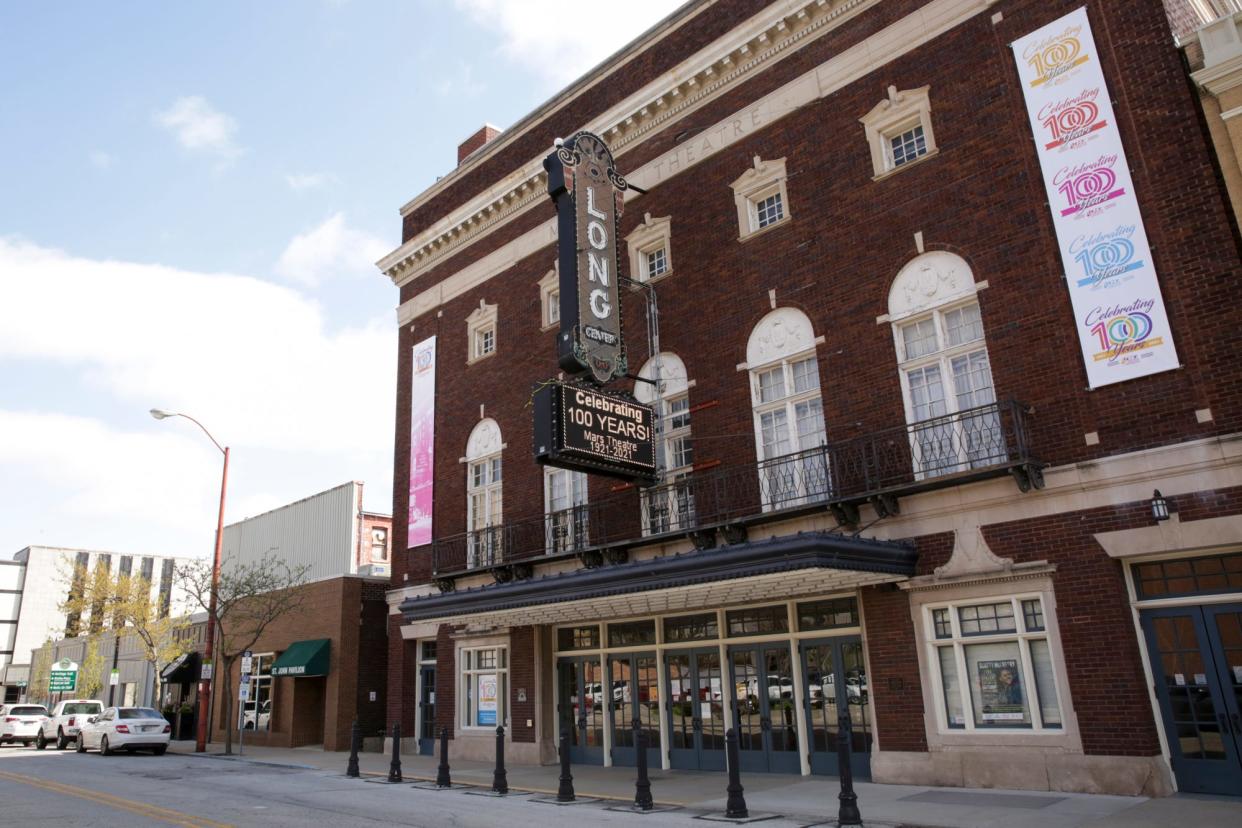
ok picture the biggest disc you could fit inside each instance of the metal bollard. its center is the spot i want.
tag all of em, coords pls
(355, 736)
(394, 769)
(642, 789)
(500, 781)
(848, 813)
(565, 793)
(736, 806)
(443, 780)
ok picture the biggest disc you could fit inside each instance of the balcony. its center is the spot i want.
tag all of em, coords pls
(878, 468)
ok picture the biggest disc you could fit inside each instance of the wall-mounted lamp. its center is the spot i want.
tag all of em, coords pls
(1159, 506)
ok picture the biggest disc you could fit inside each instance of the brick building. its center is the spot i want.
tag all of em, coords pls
(893, 487)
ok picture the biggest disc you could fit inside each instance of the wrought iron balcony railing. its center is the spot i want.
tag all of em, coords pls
(879, 468)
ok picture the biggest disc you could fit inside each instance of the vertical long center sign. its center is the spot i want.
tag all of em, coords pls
(422, 442)
(1122, 326)
(587, 189)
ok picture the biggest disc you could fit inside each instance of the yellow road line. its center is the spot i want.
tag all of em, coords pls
(140, 808)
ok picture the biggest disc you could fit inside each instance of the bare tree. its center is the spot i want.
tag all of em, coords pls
(249, 599)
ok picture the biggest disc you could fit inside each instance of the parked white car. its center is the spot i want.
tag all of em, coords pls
(125, 728)
(265, 716)
(67, 718)
(21, 722)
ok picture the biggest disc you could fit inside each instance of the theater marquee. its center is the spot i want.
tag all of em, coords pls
(581, 428)
(587, 191)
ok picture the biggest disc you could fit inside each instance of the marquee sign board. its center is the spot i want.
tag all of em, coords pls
(587, 191)
(584, 429)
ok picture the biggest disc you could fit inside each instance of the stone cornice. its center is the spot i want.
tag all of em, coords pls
(1220, 78)
(748, 49)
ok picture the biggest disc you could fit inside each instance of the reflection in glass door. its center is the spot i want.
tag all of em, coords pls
(696, 709)
(1196, 659)
(763, 705)
(580, 707)
(635, 693)
(836, 680)
(427, 711)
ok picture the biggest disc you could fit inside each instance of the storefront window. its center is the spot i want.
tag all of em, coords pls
(691, 628)
(826, 615)
(758, 621)
(577, 638)
(257, 710)
(485, 674)
(994, 674)
(631, 634)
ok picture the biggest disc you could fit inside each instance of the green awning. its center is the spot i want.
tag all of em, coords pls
(303, 658)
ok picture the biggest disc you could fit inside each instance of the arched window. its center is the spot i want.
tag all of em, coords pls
(483, 494)
(669, 506)
(946, 378)
(565, 510)
(789, 414)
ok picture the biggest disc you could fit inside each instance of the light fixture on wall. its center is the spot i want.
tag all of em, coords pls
(1159, 506)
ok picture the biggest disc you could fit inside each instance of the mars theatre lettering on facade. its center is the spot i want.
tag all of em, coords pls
(583, 428)
(587, 190)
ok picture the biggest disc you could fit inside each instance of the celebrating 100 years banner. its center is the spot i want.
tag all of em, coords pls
(422, 441)
(1122, 326)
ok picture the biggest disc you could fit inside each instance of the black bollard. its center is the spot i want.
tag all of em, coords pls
(565, 793)
(642, 789)
(394, 769)
(443, 780)
(736, 807)
(848, 813)
(500, 781)
(355, 736)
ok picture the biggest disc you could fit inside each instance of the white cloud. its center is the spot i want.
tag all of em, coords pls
(100, 160)
(333, 248)
(298, 182)
(199, 127)
(560, 53)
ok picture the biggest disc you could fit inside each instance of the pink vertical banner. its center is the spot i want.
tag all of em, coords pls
(422, 442)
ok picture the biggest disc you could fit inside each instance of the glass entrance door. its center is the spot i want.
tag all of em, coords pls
(580, 707)
(763, 707)
(836, 680)
(427, 710)
(696, 709)
(635, 692)
(1196, 660)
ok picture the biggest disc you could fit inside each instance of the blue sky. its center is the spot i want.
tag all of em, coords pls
(192, 196)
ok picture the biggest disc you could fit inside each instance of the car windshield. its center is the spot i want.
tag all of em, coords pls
(137, 713)
(28, 710)
(82, 708)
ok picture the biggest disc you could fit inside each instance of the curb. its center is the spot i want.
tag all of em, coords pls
(223, 758)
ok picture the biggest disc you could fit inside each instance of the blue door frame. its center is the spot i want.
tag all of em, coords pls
(763, 707)
(581, 695)
(635, 692)
(836, 680)
(696, 700)
(427, 710)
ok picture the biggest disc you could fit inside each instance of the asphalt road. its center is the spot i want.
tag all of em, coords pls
(68, 789)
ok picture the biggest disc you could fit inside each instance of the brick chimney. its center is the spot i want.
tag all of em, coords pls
(486, 133)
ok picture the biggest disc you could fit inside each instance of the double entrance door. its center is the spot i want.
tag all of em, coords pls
(696, 700)
(627, 690)
(836, 681)
(580, 701)
(1196, 660)
(763, 707)
(635, 694)
(427, 710)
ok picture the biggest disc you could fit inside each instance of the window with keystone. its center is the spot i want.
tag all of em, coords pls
(670, 505)
(484, 494)
(650, 248)
(565, 510)
(899, 130)
(550, 299)
(761, 197)
(481, 331)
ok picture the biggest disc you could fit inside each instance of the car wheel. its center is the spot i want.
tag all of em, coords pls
(159, 751)
(104, 750)
(40, 741)
(62, 741)
(81, 744)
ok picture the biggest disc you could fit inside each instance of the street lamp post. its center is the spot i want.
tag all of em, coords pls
(204, 686)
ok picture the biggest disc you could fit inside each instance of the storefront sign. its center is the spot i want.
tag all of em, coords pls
(422, 441)
(488, 696)
(581, 428)
(1122, 326)
(587, 189)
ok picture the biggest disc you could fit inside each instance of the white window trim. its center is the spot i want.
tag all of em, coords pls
(939, 735)
(549, 473)
(942, 356)
(764, 179)
(651, 235)
(548, 285)
(787, 402)
(463, 675)
(479, 321)
(896, 114)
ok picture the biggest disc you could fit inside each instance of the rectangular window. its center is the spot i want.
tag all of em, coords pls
(553, 311)
(166, 579)
(908, 145)
(485, 674)
(758, 621)
(484, 342)
(919, 338)
(256, 711)
(657, 263)
(825, 615)
(769, 211)
(1009, 680)
(631, 634)
(771, 384)
(963, 325)
(805, 375)
(578, 638)
(1189, 576)
(429, 650)
(691, 627)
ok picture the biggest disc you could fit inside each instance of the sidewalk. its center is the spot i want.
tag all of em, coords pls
(798, 797)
